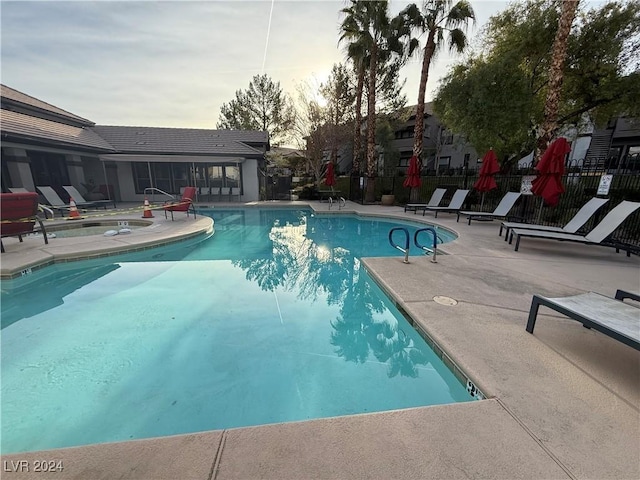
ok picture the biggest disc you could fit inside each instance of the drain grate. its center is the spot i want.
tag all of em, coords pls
(442, 300)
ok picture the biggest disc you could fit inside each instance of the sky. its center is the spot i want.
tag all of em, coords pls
(174, 63)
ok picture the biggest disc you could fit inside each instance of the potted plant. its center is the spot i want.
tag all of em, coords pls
(388, 198)
(93, 191)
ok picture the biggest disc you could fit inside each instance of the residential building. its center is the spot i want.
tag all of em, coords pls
(46, 145)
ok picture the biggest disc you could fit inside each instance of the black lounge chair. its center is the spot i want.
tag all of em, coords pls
(610, 316)
(454, 205)
(501, 211)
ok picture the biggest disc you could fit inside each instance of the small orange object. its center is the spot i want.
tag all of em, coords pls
(74, 214)
(147, 209)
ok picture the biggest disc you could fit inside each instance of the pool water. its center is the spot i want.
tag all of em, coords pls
(272, 319)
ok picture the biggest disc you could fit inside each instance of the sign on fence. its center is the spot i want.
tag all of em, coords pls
(605, 184)
(525, 186)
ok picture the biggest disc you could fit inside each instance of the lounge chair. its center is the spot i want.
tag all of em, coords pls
(454, 205)
(578, 220)
(55, 202)
(501, 211)
(18, 215)
(597, 236)
(434, 201)
(79, 199)
(184, 205)
(612, 317)
(18, 190)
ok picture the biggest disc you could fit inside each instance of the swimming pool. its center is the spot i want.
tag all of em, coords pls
(272, 319)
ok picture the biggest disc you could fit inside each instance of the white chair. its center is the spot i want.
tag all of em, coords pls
(225, 192)
(235, 192)
(203, 192)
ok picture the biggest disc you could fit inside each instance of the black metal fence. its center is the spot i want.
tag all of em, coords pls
(581, 183)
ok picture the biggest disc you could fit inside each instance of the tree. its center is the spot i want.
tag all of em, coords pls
(339, 95)
(496, 97)
(263, 106)
(552, 104)
(436, 18)
(374, 37)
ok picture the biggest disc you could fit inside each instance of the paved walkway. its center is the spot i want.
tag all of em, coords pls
(563, 403)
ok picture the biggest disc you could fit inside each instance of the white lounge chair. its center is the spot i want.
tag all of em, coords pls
(79, 199)
(501, 211)
(597, 236)
(18, 190)
(55, 202)
(434, 201)
(578, 220)
(610, 316)
(454, 205)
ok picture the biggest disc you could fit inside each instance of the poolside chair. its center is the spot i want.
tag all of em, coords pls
(597, 236)
(235, 192)
(501, 211)
(454, 205)
(18, 216)
(434, 201)
(18, 190)
(610, 316)
(578, 220)
(225, 192)
(79, 199)
(55, 202)
(184, 205)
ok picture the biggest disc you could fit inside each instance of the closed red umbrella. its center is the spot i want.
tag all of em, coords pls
(413, 179)
(548, 183)
(489, 168)
(329, 177)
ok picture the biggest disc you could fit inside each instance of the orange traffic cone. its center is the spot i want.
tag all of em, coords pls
(147, 209)
(73, 210)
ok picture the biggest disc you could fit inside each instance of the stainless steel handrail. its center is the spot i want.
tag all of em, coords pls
(154, 189)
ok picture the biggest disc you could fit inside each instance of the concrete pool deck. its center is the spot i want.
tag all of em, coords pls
(563, 402)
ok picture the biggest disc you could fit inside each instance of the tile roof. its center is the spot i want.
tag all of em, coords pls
(22, 98)
(182, 140)
(40, 129)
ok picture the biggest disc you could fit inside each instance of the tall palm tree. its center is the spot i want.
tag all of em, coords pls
(558, 55)
(371, 34)
(436, 18)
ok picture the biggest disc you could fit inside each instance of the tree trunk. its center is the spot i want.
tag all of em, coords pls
(357, 144)
(371, 126)
(550, 122)
(418, 132)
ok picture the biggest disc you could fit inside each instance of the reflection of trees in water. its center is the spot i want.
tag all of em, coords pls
(297, 262)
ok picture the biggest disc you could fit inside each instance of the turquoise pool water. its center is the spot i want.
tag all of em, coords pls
(272, 319)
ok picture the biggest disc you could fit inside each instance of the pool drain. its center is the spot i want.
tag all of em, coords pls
(448, 301)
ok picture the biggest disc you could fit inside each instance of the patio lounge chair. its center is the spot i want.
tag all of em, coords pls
(79, 199)
(434, 201)
(18, 190)
(612, 317)
(55, 202)
(184, 205)
(18, 215)
(578, 220)
(597, 236)
(501, 211)
(454, 205)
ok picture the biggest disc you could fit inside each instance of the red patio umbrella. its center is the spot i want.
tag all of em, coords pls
(489, 168)
(413, 174)
(329, 176)
(548, 183)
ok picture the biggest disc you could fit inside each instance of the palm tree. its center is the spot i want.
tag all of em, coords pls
(372, 38)
(436, 18)
(558, 55)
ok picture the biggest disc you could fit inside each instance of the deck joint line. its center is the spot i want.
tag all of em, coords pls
(213, 474)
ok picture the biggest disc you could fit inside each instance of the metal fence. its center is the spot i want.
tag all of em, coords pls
(581, 184)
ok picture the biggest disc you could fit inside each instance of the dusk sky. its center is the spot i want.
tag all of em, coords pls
(174, 63)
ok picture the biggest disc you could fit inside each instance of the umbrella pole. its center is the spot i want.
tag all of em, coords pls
(482, 203)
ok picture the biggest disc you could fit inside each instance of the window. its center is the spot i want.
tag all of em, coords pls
(443, 162)
(171, 176)
(141, 177)
(48, 168)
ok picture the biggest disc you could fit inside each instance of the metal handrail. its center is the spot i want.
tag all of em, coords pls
(433, 250)
(341, 203)
(405, 250)
(154, 189)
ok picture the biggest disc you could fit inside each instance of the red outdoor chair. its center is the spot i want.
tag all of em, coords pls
(18, 215)
(184, 205)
